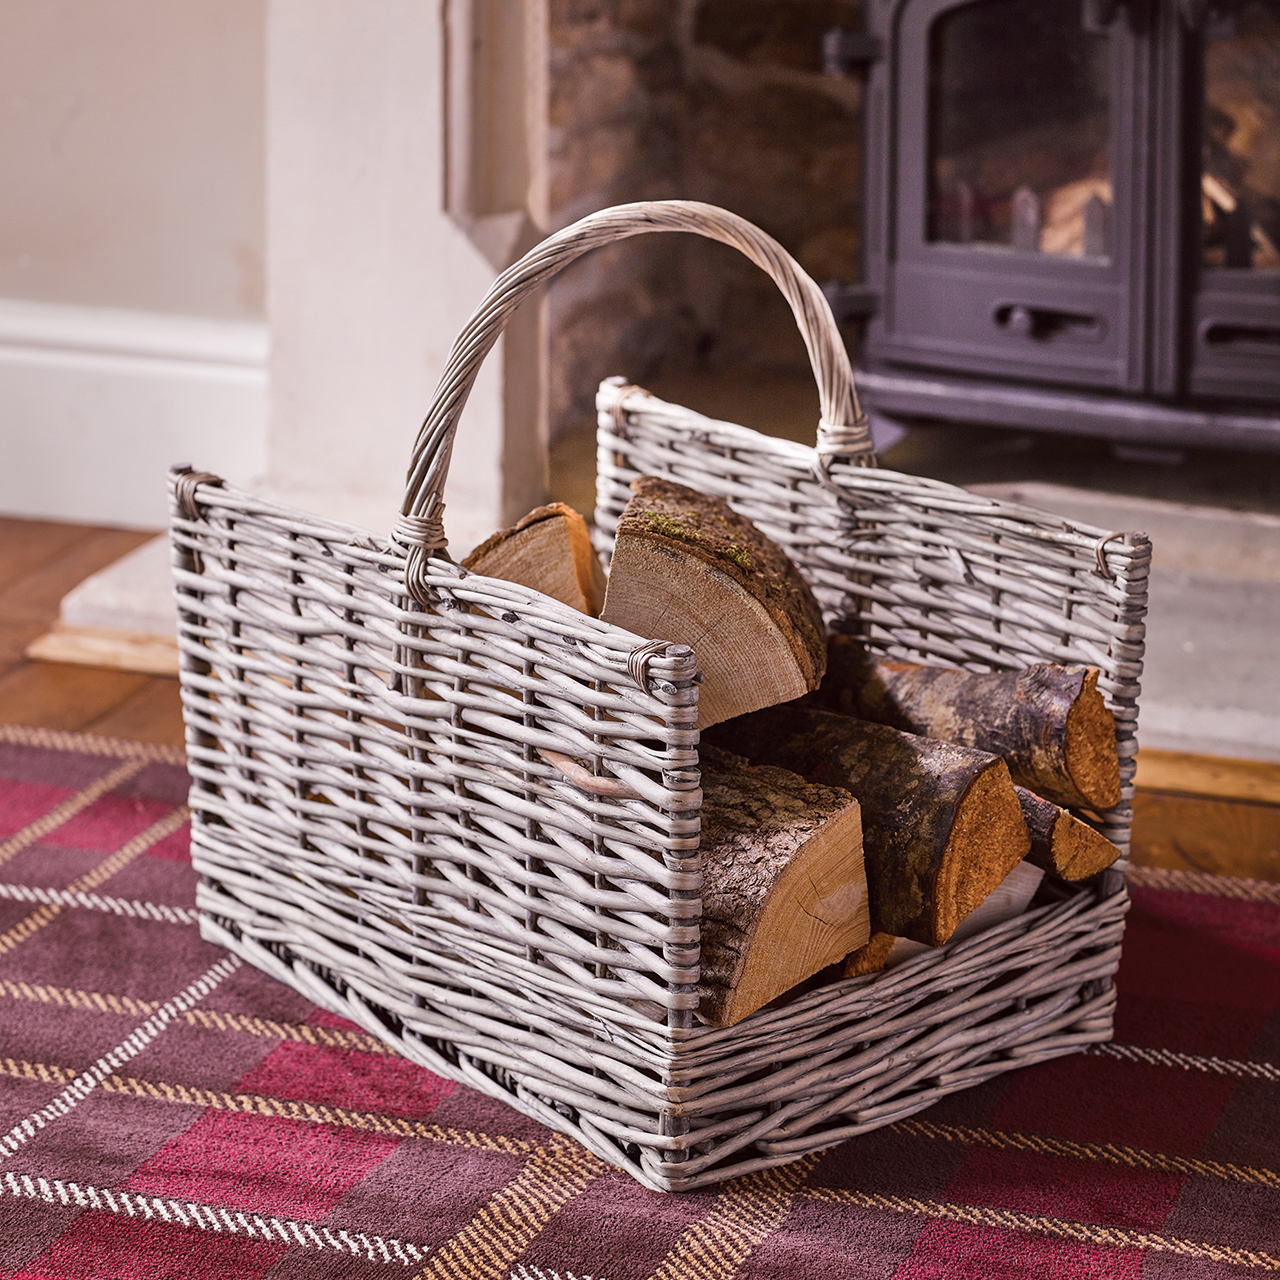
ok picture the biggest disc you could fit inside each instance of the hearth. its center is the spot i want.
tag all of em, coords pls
(1073, 215)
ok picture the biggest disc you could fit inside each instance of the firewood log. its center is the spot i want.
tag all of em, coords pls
(1048, 722)
(784, 889)
(1010, 898)
(549, 550)
(871, 957)
(941, 823)
(688, 568)
(1061, 843)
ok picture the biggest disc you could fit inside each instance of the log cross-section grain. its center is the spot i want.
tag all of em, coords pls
(784, 889)
(1061, 843)
(549, 550)
(688, 568)
(1049, 722)
(942, 826)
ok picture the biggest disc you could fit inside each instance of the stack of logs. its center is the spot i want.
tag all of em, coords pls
(854, 810)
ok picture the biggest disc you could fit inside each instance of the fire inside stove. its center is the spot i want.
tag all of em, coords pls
(1020, 111)
(1240, 182)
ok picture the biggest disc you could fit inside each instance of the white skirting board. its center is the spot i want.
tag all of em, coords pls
(96, 404)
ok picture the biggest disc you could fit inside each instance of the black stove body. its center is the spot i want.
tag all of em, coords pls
(1073, 216)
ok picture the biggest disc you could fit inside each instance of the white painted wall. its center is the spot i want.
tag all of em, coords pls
(96, 403)
(372, 273)
(131, 251)
(374, 162)
(132, 151)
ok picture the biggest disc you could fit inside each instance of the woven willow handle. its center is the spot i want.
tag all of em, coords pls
(842, 430)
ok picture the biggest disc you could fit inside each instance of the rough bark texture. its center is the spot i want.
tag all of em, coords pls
(784, 892)
(687, 568)
(549, 550)
(1049, 723)
(942, 825)
(1061, 843)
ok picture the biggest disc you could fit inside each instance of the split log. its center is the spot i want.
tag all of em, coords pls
(871, 957)
(784, 889)
(942, 824)
(1010, 898)
(1061, 843)
(1049, 722)
(549, 550)
(688, 568)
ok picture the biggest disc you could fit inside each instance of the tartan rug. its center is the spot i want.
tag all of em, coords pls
(166, 1110)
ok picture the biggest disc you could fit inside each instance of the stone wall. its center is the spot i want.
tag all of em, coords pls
(616, 102)
(716, 100)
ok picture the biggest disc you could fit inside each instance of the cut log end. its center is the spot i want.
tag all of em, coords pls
(549, 550)
(688, 568)
(1089, 747)
(1008, 900)
(943, 824)
(988, 840)
(785, 890)
(1061, 842)
(1049, 722)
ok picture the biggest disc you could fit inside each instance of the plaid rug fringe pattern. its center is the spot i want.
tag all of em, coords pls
(166, 1110)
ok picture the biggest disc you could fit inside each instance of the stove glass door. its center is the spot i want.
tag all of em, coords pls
(1020, 130)
(1018, 192)
(1237, 307)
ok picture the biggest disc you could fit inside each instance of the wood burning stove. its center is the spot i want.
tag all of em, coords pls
(1073, 215)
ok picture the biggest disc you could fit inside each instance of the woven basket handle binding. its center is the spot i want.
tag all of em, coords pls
(842, 430)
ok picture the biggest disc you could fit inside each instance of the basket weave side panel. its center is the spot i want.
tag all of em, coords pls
(842, 1060)
(920, 570)
(375, 769)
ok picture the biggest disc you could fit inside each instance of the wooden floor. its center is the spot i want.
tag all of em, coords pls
(40, 561)
(1191, 812)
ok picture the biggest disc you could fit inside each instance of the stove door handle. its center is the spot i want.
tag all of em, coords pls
(1029, 320)
(1261, 338)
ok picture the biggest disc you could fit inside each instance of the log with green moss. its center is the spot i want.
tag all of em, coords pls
(1049, 722)
(687, 568)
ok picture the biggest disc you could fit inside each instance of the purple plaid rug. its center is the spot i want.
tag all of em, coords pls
(168, 1111)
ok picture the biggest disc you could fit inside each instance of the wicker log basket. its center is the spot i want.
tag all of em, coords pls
(380, 822)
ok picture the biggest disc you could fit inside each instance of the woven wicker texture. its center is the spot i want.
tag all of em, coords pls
(466, 816)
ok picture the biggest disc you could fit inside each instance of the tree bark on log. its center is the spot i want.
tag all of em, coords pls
(784, 888)
(942, 826)
(1061, 843)
(1049, 722)
(688, 568)
(549, 550)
